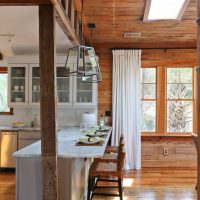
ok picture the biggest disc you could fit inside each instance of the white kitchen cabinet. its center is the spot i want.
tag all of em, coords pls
(18, 85)
(85, 94)
(34, 85)
(64, 86)
(71, 92)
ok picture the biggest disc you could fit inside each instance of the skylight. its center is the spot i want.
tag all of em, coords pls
(165, 9)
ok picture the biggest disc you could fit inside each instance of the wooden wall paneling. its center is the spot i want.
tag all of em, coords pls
(113, 19)
(48, 101)
(181, 153)
(198, 98)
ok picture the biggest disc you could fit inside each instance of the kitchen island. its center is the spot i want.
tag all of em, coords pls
(73, 165)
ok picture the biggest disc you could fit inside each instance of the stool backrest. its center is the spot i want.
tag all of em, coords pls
(121, 160)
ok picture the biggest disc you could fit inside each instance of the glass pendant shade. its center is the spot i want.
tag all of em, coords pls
(85, 62)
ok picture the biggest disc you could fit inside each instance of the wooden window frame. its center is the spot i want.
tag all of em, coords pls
(161, 101)
(154, 100)
(4, 70)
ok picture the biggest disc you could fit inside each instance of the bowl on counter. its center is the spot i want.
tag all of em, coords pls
(18, 124)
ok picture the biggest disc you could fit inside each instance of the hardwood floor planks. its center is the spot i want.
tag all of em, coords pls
(147, 184)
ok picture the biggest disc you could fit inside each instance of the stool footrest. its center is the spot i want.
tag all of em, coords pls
(109, 186)
(106, 194)
(107, 180)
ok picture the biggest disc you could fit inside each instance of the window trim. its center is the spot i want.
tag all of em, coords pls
(179, 16)
(161, 99)
(4, 70)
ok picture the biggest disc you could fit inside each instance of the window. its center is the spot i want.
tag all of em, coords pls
(167, 99)
(4, 109)
(149, 99)
(165, 9)
(180, 99)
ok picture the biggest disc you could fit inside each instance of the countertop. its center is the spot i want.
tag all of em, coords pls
(10, 128)
(67, 139)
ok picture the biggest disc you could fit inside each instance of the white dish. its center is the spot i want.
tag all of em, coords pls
(97, 128)
(90, 140)
(100, 133)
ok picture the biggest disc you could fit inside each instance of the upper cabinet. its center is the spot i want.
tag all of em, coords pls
(34, 84)
(18, 85)
(24, 87)
(84, 93)
(64, 85)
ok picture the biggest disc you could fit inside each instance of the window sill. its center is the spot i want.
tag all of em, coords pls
(174, 136)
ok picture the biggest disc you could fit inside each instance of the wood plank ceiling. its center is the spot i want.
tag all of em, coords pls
(115, 17)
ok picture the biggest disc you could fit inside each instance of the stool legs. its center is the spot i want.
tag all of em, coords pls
(120, 189)
(89, 187)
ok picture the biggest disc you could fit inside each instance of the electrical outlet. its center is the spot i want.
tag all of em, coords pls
(165, 151)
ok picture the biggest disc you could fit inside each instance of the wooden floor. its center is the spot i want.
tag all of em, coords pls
(147, 184)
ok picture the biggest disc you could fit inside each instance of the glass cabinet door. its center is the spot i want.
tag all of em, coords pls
(63, 84)
(84, 91)
(18, 84)
(35, 85)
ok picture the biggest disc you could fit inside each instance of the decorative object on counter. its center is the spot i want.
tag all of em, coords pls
(18, 124)
(90, 119)
(87, 69)
(101, 122)
(108, 118)
(35, 122)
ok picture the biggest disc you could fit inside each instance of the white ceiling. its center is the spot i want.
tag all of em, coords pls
(23, 22)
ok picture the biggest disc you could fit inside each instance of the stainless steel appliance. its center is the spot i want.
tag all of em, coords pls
(8, 145)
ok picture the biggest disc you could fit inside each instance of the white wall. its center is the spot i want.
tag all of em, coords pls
(66, 116)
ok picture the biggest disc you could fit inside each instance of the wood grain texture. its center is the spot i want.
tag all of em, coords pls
(48, 106)
(116, 17)
(198, 98)
(147, 184)
(50, 178)
(181, 153)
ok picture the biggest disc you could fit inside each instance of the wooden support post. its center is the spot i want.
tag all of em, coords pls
(48, 101)
(198, 100)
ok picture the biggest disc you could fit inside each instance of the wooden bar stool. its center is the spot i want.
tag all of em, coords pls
(113, 154)
(103, 171)
(115, 149)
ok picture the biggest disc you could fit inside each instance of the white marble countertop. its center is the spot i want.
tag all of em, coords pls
(25, 128)
(67, 139)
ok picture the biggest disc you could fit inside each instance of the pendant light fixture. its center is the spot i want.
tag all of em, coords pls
(84, 60)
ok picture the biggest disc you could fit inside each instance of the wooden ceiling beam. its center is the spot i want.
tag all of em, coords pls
(78, 6)
(65, 23)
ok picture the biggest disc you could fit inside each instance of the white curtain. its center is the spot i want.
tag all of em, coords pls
(126, 104)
